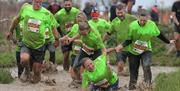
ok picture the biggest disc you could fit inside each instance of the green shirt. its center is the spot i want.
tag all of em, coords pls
(120, 27)
(93, 39)
(34, 26)
(74, 31)
(141, 36)
(101, 25)
(66, 19)
(48, 32)
(100, 74)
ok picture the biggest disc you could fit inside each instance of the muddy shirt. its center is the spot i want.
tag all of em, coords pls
(101, 74)
(35, 23)
(66, 19)
(141, 36)
(120, 28)
(101, 25)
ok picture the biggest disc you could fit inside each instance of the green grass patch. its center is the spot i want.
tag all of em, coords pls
(59, 56)
(168, 82)
(5, 76)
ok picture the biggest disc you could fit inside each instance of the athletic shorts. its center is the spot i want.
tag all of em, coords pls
(66, 48)
(36, 55)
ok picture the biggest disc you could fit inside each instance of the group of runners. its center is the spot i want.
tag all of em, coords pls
(38, 30)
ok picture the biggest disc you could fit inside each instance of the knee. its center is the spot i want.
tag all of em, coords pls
(25, 58)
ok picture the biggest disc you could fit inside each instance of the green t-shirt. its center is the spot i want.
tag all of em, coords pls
(66, 19)
(74, 31)
(18, 34)
(34, 26)
(141, 36)
(101, 73)
(93, 39)
(101, 25)
(120, 27)
(48, 32)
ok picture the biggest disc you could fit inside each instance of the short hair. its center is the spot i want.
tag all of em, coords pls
(83, 26)
(143, 12)
(120, 6)
(81, 14)
(84, 60)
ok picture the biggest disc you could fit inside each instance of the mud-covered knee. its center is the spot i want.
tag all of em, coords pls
(25, 58)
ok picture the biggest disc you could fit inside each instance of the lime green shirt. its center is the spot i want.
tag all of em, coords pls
(66, 19)
(101, 25)
(100, 74)
(120, 27)
(141, 36)
(48, 32)
(93, 39)
(74, 31)
(34, 26)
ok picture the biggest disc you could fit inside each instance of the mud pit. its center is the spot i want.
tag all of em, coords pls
(63, 79)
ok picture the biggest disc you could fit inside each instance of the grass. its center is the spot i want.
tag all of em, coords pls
(5, 76)
(168, 82)
(59, 56)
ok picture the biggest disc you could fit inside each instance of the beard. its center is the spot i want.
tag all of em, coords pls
(68, 9)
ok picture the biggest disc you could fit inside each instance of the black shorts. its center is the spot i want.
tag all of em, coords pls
(177, 28)
(36, 55)
(66, 48)
(122, 56)
(82, 54)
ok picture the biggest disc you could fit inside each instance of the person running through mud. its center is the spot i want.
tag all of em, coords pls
(35, 20)
(98, 74)
(92, 44)
(54, 7)
(66, 18)
(100, 24)
(139, 38)
(120, 27)
(75, 73)
(176, 20)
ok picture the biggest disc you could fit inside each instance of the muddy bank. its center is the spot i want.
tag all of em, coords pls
(63, 79)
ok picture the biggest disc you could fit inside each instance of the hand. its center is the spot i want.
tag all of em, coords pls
(119, 48)
(64, 40)
(56, 43)
(88, 49)
(120, 66)
(110, 50)
(172, 41)
(8, 35)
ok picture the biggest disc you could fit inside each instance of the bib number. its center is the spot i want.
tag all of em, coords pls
(46, 33)
(140, 46)
(103, 83)
(33, 25)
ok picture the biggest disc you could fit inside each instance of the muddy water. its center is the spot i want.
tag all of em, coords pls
(62, 79)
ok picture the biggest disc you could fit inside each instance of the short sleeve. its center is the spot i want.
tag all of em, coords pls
(85, 80)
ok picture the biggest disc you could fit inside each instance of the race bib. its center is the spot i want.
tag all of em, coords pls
(46, 33)
(103, 83)
(33, 25)
(140, 46)
(68, 26)
(88, 52)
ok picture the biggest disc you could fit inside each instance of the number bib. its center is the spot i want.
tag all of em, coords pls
(140, 46)
(102, 83)
(33, 25)
(47, 33)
